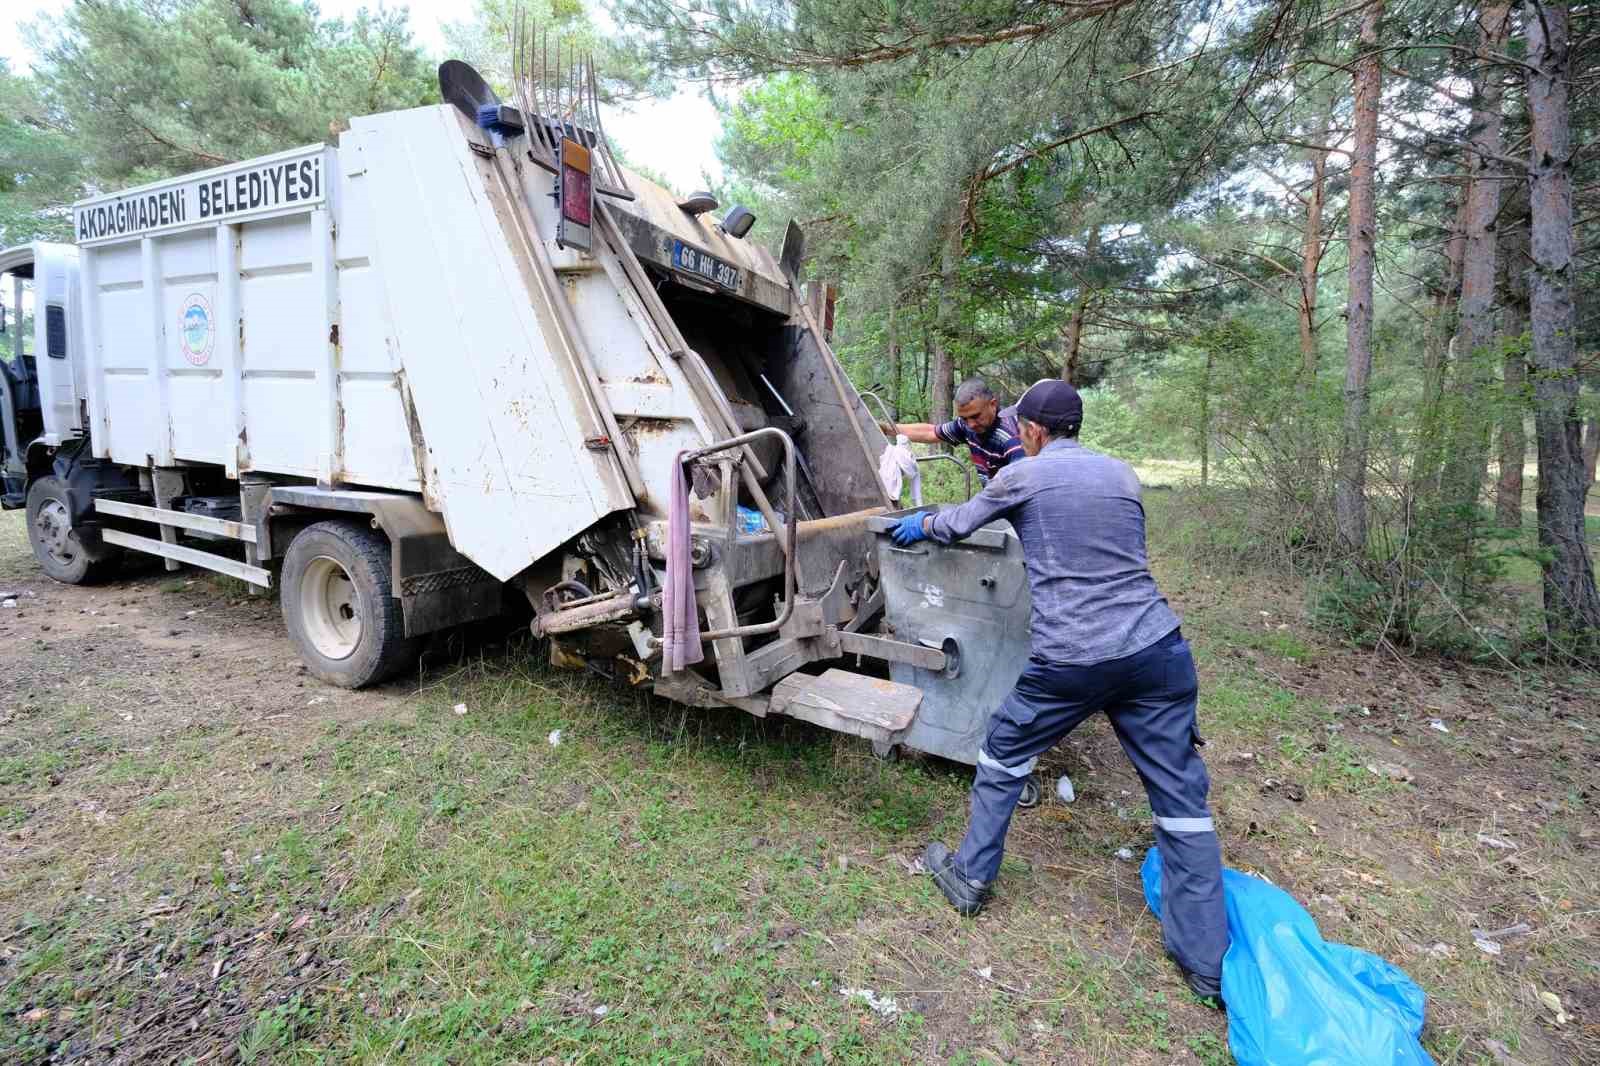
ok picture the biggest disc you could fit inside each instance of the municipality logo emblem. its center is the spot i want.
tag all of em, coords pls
(197, 329)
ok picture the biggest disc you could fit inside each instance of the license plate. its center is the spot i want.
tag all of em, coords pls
(692, 260)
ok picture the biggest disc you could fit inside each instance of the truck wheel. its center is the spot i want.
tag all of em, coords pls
(60, 551)
(340, 608)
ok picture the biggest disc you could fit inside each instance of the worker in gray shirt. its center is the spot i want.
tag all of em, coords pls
(1104, 639)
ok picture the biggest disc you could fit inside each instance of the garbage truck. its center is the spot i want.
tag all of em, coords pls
(461, 356)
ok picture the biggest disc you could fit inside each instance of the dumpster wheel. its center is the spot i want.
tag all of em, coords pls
(340, 607)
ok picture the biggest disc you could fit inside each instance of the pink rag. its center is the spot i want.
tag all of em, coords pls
(680, 644)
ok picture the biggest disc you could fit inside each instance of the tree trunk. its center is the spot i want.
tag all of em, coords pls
(927, 347)
(1074, 336)
(1591, 450)
(1513, 439)
(1074, 342)
(1439, 329)
(1467, 433)
(1350, 505)
(944, 370)
(896, 360)
(1513, 450)
(1205, 421)
(1441, 326)
(1311, 247)
(1571, 602)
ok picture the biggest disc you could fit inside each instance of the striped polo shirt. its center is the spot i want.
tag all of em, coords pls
(991, 450)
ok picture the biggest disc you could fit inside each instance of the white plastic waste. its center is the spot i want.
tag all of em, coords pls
(1064, 789)
(896, 466)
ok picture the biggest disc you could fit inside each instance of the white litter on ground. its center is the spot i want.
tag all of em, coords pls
(554, 738)
(884, 1005)
(1064, 789)
(461, 708)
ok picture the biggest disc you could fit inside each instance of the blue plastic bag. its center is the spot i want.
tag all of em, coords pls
(1296, 1000)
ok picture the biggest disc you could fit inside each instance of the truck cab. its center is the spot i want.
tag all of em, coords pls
(41, 372)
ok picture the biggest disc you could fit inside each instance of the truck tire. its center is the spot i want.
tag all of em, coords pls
(62, 554)
(340, 608)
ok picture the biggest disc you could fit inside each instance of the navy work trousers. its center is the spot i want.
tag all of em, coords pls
(1150, 699)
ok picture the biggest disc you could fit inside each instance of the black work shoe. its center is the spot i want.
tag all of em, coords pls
(1206, 989)
(965, 895)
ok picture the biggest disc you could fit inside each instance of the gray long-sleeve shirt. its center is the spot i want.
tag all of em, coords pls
(1079, 517)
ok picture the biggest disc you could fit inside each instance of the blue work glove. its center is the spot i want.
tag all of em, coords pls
(909, 530)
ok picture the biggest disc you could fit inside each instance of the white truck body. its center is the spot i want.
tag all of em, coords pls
(270, 338)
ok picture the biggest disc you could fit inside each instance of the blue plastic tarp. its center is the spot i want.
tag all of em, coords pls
(1296, 1000)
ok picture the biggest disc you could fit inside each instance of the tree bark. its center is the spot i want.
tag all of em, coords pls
(896, 359)
(1513, 445)
(1571, 601)
(1311, 246)
(1466, 453)
(1445, 301)
(1350, 504)
(1205, 421)
(1074, 335)
(1591, 451)
(944, 371)
(1513, 438)
(1439, 329)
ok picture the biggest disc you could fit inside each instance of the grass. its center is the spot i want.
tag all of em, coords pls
(376, 878)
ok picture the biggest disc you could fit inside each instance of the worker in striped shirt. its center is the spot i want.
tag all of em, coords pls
(989, 433)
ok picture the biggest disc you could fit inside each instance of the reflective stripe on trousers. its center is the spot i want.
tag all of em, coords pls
(1149, 698)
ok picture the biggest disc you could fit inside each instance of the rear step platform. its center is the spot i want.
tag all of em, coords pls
(848, 703)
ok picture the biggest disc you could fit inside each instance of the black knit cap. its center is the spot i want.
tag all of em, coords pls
(1053, 404)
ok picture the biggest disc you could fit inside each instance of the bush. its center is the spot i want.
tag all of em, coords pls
(1113, 425)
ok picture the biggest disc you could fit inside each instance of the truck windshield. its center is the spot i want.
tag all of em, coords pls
(16, 298)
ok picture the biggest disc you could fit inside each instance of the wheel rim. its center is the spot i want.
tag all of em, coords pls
(330, 608)
(52, 527)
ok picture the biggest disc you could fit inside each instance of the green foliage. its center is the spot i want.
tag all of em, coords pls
(127, 92)
(276, 1030)
(1129, 421)
(484, 41)
(1029, 149)
(16, 331)
(41, 175)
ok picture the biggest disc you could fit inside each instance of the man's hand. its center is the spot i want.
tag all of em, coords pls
(909, 530)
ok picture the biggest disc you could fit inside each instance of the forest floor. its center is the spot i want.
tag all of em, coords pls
(208, 856)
